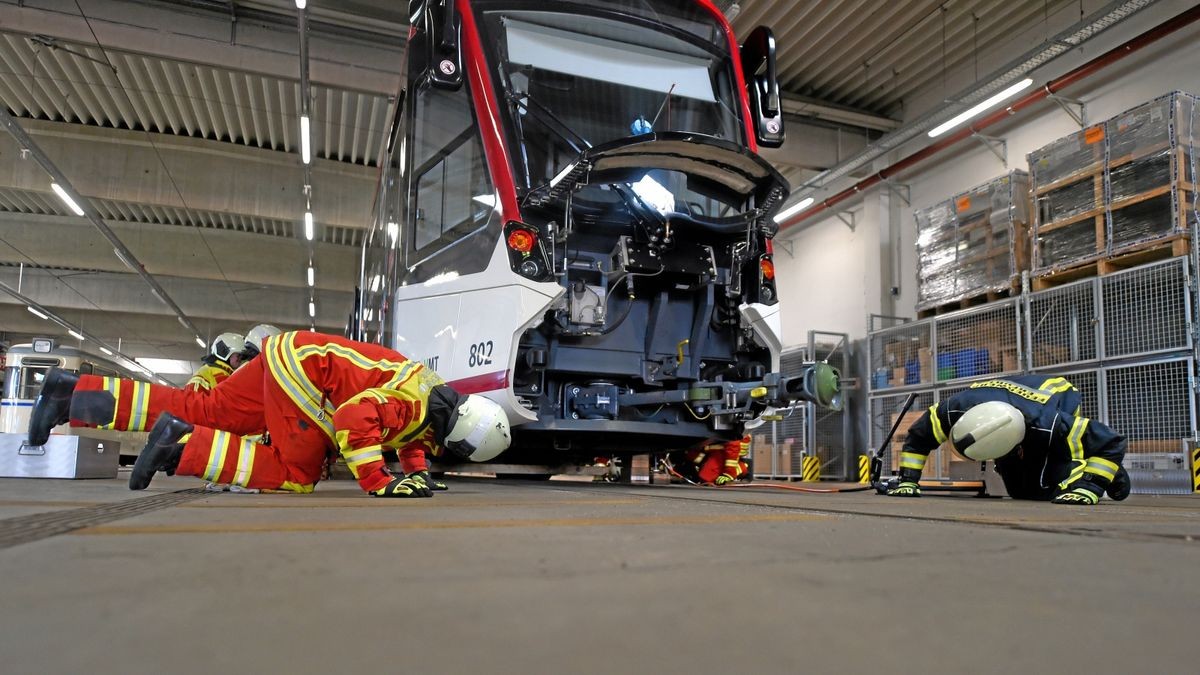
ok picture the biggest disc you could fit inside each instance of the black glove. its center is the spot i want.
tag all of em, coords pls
(908, 485)
(428, 481)
(1082, 492)
(403, 487)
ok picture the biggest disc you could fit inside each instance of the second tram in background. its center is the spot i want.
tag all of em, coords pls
(26, 366)
(573, 219)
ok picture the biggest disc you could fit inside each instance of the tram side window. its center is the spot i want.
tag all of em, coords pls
(453, 192)
(31, 381)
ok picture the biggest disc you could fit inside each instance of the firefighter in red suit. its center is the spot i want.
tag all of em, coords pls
(721, 463)
(313, 393)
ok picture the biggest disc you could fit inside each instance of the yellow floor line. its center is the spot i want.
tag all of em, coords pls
(302, 501)
(237, 528)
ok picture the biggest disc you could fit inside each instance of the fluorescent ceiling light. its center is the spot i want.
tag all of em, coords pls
(312, 276)
(106, 350)
(36, 313)
(308, 225)
(62, 194)
(200, 342)
(393, 232)
(78, 336)
(978, 108)
(312, 309)
(376, 283)
(794, 209)
(301, 3)
(165, 366)
(305, 145)
(654, 194)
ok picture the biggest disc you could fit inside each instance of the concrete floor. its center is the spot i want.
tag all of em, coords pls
(557, 577)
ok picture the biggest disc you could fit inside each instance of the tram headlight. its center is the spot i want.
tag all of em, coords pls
(526, 251)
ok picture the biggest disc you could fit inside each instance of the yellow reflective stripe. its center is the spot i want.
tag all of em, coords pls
(1076, 474)
(139, 406)
(1075, 437)
(938, 434)
(324, 414)
(358, 359)
(299, 389)
(113, 386)
(356, 455)
(289, 486)
(245, 463)
(1102, 467)
(1055, 385)
(216, 456)
(912, 460)
(731, 462)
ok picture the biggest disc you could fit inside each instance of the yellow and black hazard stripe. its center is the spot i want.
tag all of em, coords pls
(864, 469)
(810, 469)
(1196, 469)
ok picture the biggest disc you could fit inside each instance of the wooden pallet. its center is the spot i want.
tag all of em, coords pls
(969, 301)
(1140, 254)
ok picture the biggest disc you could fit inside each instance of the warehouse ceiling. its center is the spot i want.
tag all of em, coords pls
(177, 120)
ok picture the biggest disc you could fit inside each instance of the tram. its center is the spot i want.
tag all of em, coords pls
(572, 219)
(26, 366)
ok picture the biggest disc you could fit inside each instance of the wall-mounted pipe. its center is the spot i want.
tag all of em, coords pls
(1108, 58)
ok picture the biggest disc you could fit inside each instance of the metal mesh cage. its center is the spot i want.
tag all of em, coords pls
(1146, 309)
(1088, 384)
(976, 342)
(1153, 407)
(1062, 325)
(900, 356)
(884, 412)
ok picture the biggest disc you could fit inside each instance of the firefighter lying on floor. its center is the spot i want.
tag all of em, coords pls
(313, 393)
(715, 463)
(1030, 426)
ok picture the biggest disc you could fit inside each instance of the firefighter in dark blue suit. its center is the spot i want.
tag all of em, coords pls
(1031, 426)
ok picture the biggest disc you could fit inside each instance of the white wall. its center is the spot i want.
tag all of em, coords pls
(837, 277)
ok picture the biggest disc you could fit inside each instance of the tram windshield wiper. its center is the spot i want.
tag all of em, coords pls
(551, 121)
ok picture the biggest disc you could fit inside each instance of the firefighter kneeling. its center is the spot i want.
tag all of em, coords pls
(312, 393)
(1030, 426)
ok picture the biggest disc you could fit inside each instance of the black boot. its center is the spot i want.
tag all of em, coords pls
(53, 405)
(162, 451)
(1120, 487)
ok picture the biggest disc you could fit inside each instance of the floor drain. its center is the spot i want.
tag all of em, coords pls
(26, 529)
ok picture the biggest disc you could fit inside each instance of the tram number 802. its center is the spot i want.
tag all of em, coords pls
(481, 354)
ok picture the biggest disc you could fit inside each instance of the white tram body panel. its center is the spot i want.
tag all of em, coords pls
(466, 327)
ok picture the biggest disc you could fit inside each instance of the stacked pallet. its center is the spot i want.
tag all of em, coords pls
(973, 247)
(1117, 194)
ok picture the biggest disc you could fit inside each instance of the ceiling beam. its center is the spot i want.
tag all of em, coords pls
(179, 33)
(178, 251)
(123, 165)
(799, 106)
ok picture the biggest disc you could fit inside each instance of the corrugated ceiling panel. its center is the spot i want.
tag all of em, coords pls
(45, 203)
(74, 83)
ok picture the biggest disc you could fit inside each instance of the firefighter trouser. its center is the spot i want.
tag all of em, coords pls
(236, 405)
(246, 403)
(222, 457)
(1030, 476)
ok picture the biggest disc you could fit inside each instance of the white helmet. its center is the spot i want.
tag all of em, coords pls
(254, 339)
(988, 431)
(478, 429)
(226, 345)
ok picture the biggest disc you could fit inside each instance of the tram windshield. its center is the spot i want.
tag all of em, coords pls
(571, 81)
